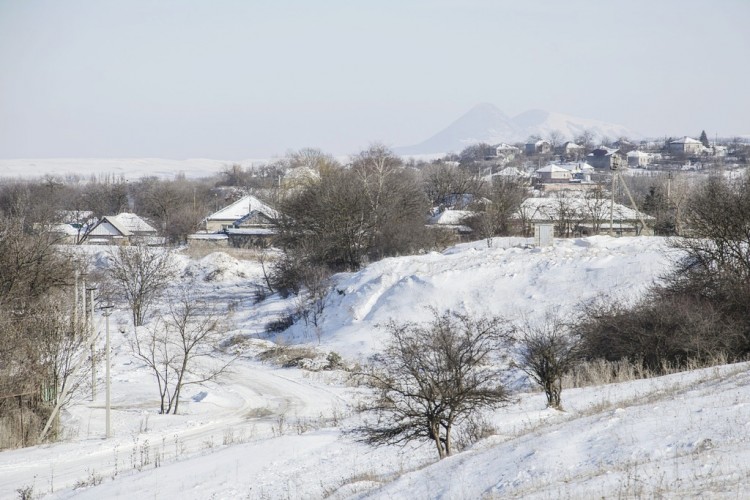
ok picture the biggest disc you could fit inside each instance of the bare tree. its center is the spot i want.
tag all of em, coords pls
(443, 181)
(494, 216)
(40, 342)
(718, 215)
(596, 207)
(374, 209)
(555, 138)
(568, 214)
(433, 377)
(311, 300)
(191, 331)
(548, 350)
(140, 274)
(586, 139)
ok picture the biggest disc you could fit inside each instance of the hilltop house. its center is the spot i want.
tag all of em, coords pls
(686, 146)
(571, 150)
(553, 173)
(604, 157)
(538, 148)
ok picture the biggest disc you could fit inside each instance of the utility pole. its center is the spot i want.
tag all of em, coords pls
(669, 184)
(75, 299)
(107, 311)
(90, 332)
(612, 202)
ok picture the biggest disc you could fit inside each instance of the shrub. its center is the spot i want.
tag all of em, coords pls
(548, 351)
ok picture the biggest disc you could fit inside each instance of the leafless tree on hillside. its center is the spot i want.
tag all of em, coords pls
(548, 351)
(432, 378)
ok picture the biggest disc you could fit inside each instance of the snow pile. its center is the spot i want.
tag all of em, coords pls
(219, 266)
(510, 279)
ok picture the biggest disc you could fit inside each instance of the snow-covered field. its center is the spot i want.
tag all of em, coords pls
(129, 168)
(269, 432)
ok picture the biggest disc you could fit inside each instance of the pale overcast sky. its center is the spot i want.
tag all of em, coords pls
(236, 79)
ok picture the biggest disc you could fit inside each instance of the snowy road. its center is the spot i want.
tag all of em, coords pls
(258, 402)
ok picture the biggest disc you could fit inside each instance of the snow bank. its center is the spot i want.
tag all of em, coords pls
(511, 279)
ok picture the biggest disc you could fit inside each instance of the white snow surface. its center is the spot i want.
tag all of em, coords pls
(269, 432)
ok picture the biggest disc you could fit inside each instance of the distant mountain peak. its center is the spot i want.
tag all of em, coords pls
(485, 122)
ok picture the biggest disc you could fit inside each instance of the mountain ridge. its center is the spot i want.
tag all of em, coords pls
(485, 122)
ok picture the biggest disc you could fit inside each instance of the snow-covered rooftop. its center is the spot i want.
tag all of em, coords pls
(548, 209)
(686, 140)
(551, 168)
(511, 172)
(242, 207)
(451, 217)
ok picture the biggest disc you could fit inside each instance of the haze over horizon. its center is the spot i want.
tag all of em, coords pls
(233, 80)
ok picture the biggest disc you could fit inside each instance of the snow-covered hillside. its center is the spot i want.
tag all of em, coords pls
(270, 432)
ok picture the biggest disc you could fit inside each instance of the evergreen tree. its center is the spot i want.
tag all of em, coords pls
(704, 138)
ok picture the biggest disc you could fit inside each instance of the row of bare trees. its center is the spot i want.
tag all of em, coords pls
(181, 345)
(436, 377)
(176, 206)
(40, 341)
(700, 309)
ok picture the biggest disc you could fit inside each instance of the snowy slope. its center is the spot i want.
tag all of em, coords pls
(270, 432)
(510, 279)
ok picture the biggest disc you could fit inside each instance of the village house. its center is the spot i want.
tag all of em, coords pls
(248, 211)
(639, 159)
(686, 146)
(581, 215)
(122, 229)
(538, 148)
(247, 222)
(571, 151)
(553, 174)
(604, 157)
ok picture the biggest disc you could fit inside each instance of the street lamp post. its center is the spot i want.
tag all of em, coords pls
(107, 311)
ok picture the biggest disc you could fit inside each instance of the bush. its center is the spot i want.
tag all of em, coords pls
(280, 324)
(548, 351)
(700, 311)
(658, 331)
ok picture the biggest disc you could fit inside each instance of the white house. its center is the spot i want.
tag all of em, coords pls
(581, 215)
(639, 159)
(554, 173)
(248, 211)
(572, 150)
(506, 152)
(121, 229)
(538, 147)
(686, 145)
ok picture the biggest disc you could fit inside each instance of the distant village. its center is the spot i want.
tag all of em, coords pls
(579, 188)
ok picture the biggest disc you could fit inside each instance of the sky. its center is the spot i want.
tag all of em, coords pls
(233, 79)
